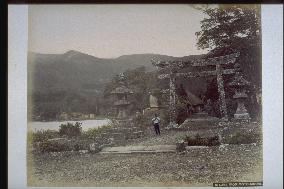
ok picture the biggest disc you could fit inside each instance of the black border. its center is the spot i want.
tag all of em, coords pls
(144, 1)
(4, 96)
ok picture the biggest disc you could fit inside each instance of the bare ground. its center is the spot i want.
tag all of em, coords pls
(196, 167)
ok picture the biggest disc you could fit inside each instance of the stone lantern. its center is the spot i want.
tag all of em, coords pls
(239, 83)
(121, 93)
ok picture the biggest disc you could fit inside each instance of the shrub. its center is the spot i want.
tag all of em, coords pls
(92, 133)
(81, 145)
(141, 121)
(62, 145)
(180, 146)
(241, 138)
(70, 130)
(50, 146)
(198, 141)
(43, 135)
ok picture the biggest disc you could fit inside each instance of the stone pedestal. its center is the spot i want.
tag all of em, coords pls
(241, 116)
(172, 125)
(241, 112)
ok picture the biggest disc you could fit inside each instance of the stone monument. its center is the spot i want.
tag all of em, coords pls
(153, 101)
(239, 83)
(170, 67)
(121, 93)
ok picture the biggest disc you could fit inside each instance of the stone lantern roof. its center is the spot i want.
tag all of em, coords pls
(239, 81)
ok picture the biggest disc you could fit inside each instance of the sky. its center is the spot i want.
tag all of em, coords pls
(110, 31)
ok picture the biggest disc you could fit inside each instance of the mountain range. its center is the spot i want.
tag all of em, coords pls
(78, 71)
(75, 81)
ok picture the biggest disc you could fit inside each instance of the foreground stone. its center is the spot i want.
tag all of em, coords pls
(139, 149)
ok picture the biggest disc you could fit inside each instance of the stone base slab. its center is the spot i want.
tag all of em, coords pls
(244, 116)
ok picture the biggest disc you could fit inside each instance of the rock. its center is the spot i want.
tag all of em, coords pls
(180, 146)
(223, 146)
(138, 134)
(83, 151)
(94, 147)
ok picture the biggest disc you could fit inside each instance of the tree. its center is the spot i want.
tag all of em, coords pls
(234, 28)
(141, 83)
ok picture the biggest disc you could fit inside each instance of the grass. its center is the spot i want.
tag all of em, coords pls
(75, 139)
(196, 167)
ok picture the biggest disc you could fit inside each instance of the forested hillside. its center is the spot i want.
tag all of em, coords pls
(74, 81)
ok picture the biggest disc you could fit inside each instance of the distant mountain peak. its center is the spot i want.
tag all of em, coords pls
(72, 52)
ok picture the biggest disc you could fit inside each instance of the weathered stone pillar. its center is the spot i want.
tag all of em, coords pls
(173, 115)
(221, 90)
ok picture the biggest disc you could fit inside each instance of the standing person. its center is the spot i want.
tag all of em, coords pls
(156, 123)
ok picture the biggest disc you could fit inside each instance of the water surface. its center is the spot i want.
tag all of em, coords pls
(54, 125)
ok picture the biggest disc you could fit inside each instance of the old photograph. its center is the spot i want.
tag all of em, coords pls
(144, 95)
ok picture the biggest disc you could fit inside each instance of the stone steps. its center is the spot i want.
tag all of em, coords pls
(139, 149)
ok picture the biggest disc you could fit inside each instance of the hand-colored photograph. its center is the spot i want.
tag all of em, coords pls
(133, 95)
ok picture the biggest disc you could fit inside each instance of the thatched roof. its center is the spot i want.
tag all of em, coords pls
(193, 99)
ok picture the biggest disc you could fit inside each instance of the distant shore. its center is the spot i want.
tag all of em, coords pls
(54, 125)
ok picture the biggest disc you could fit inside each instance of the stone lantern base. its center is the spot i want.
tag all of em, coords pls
(172, 125)
(241, 112)
(122, 113)
(242, 116)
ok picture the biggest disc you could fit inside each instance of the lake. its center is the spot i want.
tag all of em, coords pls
(54, 125)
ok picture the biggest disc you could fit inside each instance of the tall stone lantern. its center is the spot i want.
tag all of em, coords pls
(121, 93)
(240, 84)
